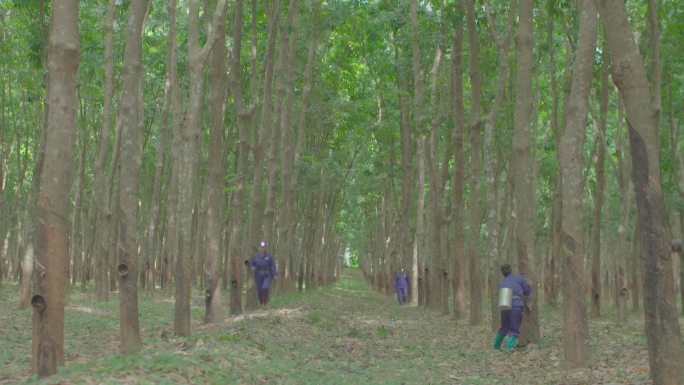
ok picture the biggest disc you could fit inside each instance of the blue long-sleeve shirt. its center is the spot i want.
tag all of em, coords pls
(519, 286)
(264, 264)
(400, 281)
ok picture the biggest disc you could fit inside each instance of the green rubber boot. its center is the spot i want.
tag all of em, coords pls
(498, 340)
(510, 343)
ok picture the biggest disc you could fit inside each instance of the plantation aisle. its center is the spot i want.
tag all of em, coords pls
(343, 334)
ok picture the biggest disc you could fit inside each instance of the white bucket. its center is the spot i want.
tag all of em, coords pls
(505, 298)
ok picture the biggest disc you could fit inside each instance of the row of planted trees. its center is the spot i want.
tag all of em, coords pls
(535, 134)
(157, 150)
(440, 136)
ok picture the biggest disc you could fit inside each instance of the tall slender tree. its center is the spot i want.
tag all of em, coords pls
(197, 58)
(457, 205)
(522, 170)
(52, 255)
(576, 329)
(666, 353)
(102, 213)
(244, 117)
(474, 208)
(418, 248)
(551, 282)
(215, 175)
(599, 192)
(491, 162)
(129, 175)
(625, 203)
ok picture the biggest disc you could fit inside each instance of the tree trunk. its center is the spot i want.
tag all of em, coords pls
(635, 264)
(457, 204)
(666, 352)
(436, 191)
(654, 32)
(197, 58)
(110, 234)
(170, 244)
(428, 271)
(244, 116)
(625, 204)
(215, 176)
(474, 208)
(129, 175)
(576, 329)
(47, 345)
(78, 234)
(26, 275)
(677, 178)
(492, 168)
(598, 193)
(551, 282)
(522, 169)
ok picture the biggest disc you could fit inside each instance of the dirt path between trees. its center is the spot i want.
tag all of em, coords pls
(342, 334)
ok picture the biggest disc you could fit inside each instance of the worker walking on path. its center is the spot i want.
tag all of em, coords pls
(265, 272)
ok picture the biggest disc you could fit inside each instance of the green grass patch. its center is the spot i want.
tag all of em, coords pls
(341, 334)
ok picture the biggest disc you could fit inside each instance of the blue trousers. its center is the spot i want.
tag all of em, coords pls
(510, 321)
(263, 283)
(402, 295)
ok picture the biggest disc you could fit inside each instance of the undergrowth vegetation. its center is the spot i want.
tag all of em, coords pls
(342, 334)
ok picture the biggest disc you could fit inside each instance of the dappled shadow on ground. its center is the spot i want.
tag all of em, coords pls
(343, 334)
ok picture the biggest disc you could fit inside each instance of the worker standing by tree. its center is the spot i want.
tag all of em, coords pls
(511, 318)
(401, 286)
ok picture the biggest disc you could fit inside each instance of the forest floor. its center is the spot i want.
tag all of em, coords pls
(341, 334)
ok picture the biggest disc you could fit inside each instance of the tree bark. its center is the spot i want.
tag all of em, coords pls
(197, 58)
(129, 176)
(457, 205)
(522, 169)
(77, 237)
(170, 245)
(598, 194)
(491, 164)
(26, 275)
(635, 265)
(677, 178)
(47, 345)
(474, 208)
(551, 282)
(623, 171)
(215, 176)
(244, 116)
(666, 352)
(575, 328)
(435, 216)
(428, 272)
